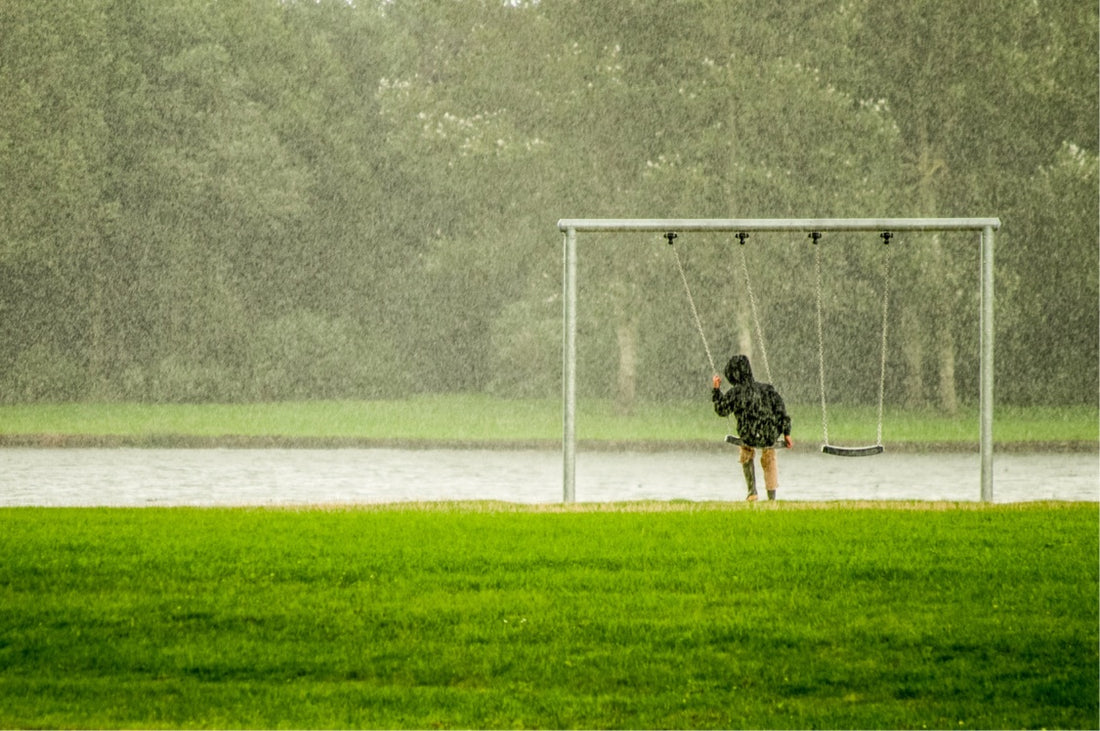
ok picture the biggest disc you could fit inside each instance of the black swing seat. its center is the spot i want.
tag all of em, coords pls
(853, 451)
(736, 441)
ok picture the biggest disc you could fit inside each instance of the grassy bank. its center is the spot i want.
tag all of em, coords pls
(483, 419)
(643, 616)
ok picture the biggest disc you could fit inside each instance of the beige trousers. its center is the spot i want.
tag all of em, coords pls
(767, 462)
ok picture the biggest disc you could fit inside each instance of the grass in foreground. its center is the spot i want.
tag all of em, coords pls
(482, 615)
(484, 418)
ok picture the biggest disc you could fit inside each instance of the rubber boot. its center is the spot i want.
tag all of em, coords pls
(771, 494)
(750, 479)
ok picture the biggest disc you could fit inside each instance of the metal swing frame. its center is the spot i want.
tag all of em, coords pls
(569, 229)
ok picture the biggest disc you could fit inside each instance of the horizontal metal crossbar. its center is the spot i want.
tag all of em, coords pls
(777, 224)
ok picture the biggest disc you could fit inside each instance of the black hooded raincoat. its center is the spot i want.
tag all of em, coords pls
(761, 415)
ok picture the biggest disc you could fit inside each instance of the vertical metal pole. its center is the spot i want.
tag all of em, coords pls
(987, 365)
(569, 367)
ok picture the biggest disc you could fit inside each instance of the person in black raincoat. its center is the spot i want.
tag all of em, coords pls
(761, 420)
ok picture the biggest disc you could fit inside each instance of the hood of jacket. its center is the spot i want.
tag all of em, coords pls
(738, 371)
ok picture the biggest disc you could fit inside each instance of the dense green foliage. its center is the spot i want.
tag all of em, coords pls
(263, 200)
(486, 616)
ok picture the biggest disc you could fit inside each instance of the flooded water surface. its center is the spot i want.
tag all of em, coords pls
(140, 477)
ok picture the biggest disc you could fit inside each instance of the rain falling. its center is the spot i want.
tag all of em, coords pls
(334, 201)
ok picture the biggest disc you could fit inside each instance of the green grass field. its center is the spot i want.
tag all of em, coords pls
(684, 615)
(483, 419)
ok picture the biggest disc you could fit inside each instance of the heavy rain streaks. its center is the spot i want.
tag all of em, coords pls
(305, 201)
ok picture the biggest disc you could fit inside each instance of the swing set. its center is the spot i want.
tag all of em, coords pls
(814, 228)
(826, 446)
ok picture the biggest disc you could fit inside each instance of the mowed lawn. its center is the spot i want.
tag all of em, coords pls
(484, 420)
(681, 615)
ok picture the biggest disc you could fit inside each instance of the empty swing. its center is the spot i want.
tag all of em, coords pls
(827, 447)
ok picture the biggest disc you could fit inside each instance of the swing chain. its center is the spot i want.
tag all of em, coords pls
(886, 236)
(691, 301)
(820, 337)
(752, 305)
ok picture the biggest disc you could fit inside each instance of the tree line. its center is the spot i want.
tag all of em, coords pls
(262, 200)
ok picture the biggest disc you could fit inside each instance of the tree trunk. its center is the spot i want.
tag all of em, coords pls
(939, 333)
(98, 358)
(627, 336)
(744, 340)
(913, 356)
(946, 355)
